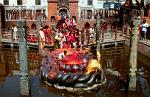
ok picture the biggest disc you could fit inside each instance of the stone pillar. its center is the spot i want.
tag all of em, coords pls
(39, 26)
(133, 55)
(0, 28)
(83, 15)
(20, 17)
(93, 12)
(24, 81)
(97, 32)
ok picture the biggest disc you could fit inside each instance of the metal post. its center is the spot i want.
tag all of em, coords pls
(133, 55)
(97, 33)
(24, 81)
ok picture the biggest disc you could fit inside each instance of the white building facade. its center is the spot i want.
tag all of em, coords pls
(30, 10)
(89, 8)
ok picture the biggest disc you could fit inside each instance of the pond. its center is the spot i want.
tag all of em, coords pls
(116, 58)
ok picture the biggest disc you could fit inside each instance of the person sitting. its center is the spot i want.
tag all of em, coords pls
(94, 63)
(62, 55)
(66, 44)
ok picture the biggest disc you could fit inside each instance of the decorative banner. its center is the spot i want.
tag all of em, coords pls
(117, 5)
(107, 5)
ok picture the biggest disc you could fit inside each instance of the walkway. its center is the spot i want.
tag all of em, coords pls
(110, 38)
(145, 42)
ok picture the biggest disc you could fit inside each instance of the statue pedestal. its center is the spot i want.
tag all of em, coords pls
(24, 86)
(132, 79)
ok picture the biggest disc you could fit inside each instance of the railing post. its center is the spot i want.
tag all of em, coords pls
(24, 81)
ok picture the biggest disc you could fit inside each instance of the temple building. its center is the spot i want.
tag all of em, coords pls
(30, 10)
(63, 8)
(49, 10)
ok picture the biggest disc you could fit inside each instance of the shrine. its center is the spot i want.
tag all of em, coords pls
(62, 8)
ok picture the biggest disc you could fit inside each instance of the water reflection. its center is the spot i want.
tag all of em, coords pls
(100, 93)
(10, 61)
(114, 59)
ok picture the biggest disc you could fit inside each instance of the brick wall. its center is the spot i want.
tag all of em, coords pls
(9, 24)
(81, 23)
(73, 8)
(52, 9)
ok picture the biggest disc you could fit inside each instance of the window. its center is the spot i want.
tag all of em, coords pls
(52, 18)
(19, 2)
(6, 2)
(90, 2)
(37, 2)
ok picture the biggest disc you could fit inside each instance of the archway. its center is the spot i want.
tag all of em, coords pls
(63, 12)
(33, 26)
(87, 25)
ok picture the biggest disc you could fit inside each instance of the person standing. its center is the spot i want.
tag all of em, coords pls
(12, 32)
(144, 27)
(15, 33)
(57, 39)
(42, 38)
(49, 33)
(144, 87)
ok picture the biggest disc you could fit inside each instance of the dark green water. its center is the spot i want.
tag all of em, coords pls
(9, 78)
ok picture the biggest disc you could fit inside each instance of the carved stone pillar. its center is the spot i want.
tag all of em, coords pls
(133, 55)
(24, 72)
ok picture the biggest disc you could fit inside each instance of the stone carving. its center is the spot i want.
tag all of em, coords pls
(63, 2)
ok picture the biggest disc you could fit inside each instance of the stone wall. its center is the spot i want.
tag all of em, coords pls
(143, 52)
(143, 48)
